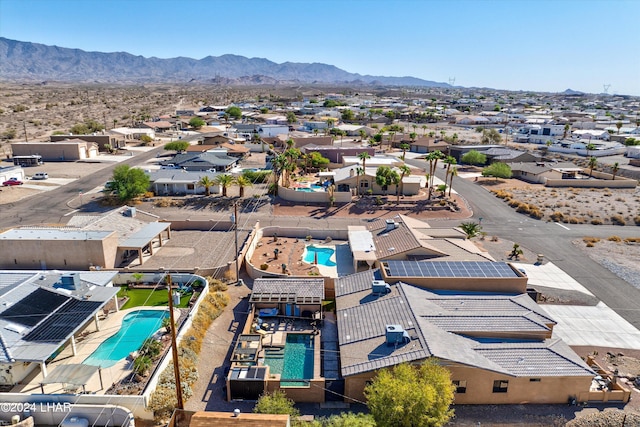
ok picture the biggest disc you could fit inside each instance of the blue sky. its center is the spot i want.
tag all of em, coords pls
(543, 45)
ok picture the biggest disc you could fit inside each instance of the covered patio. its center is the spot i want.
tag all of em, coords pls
(142, 242)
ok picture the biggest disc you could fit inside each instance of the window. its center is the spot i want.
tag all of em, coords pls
(500, 386)
(364, 184)
(535, 380)
(191, 186)
(461, 386)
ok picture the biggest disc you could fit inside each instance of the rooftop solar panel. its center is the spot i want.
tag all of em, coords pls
(450, 269)
(62, 323)
(34, 307)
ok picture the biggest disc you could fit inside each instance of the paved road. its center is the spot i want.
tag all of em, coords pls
(51, 206)
(554, 241)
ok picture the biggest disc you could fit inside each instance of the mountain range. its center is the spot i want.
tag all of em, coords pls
(26, 61)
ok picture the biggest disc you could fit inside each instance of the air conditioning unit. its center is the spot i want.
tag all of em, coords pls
(380, 287)
(396, 335)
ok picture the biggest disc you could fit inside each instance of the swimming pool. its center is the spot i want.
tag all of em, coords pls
(324, 255)
(312, 189)
(136, 327)
(294, 362)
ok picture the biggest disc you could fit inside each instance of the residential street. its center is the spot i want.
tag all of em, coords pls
(554, 241)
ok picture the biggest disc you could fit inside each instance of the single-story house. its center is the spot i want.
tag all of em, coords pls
(539, 172)
(347, 179)
(178, 182)
(118, 237)
(508, 155)
(160, 126)
(101, 140)
(66, 150)
(128, 134)
(335, 154)
(194, 162)
(498, 347)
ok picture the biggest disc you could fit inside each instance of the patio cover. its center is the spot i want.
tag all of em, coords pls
(76, 374)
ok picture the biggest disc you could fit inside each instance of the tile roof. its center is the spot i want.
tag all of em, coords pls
(436, 322)
(300, 290)
(545, 359)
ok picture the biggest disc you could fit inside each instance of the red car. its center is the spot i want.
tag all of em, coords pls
(12, 181)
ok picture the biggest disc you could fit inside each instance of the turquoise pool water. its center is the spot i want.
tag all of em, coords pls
(136, 327)
(311, 189)
(294, 362)
(324, 255)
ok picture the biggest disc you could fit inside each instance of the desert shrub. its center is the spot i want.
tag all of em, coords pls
(503, 194)
(536, 213)
(163, 399)
(523, 208)
(216, 285)
(618, 220)
(596, 221)
(637, 220)
(574, 220)
(590, 244)
(632, 240)
(557, 216)
(614, 239)
(264, 266)
(592, 240)
(514, 203)
(148, 194)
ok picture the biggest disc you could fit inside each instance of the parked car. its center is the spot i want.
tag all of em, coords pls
(40, 175)
(12, 181)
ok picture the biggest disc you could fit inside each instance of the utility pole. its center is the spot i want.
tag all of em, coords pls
(174, 347)
(235, 229)
(24, 125)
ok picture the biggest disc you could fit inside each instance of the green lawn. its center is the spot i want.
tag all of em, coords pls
(149, 298)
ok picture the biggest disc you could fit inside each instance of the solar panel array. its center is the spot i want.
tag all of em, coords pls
(29, 311)
(450, 269)
(63, 322)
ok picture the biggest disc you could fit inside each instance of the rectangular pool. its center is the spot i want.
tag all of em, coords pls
(294, 362)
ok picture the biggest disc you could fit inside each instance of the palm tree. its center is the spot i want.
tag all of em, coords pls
(242, 182)
(362, 134)
(404, 170)
(471, 229)
(224, 181)
(567, 127)
(450, 161)
(404, 148)
(364, 156)
(590, 147)
(619, 125)
(207, 183)
(454, 172)
(614, 170)
(424, 129)
(592, 164)
(359, 172)
(414, 127)
(315, 132)
(433, 158)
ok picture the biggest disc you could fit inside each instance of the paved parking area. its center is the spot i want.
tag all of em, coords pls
(598, 326)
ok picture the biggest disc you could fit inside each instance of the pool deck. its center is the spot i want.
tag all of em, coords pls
(85, 346)
(341, 257)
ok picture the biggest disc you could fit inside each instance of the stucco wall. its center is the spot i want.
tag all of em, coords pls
(604, 181)
(58, 254)
(479, 385)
